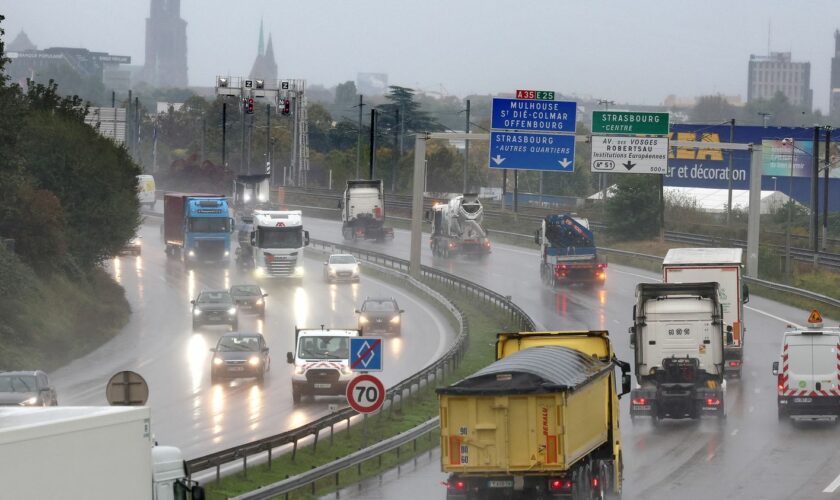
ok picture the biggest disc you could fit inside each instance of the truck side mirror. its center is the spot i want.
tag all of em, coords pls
(306, 238)
(427, 215)
(775, 369)
(290, 358)
(232, 224)
(253, 238)
(729, 337)
(626, 384)
(537, 237)
(745, 293)
(632, 333)
(340, 204)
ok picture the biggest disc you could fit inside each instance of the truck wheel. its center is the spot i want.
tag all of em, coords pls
(782, 414)
(295, 395)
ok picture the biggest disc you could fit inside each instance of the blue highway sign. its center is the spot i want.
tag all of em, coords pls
(529, 151)
(366, 354)
(539, 116)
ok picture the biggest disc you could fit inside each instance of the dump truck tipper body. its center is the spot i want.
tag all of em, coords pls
(540, 421)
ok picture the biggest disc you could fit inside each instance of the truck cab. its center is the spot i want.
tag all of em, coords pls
(321, 362)
(808, 374)
(277, 244)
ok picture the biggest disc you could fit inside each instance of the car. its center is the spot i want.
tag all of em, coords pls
(26, 388)
(249, 298)
(214, 307)
(341, 267)
(133, 247)
(380, 315)
(321, 362)
(240, 355)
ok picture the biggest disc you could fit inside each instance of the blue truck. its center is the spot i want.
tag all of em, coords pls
(197, 227)
(567, 251)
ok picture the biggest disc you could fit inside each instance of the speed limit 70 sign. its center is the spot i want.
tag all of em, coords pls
(365, 393)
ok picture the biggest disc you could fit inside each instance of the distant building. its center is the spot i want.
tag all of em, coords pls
(21, 43)
(166, 45)
(675, 101)
(372, 83)
(98, 65)
(778, 73)
(834, 102)
(265, 66)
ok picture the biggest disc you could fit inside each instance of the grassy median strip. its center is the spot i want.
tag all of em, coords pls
(484, 322)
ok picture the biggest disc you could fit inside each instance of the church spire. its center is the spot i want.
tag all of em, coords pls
(261, 47)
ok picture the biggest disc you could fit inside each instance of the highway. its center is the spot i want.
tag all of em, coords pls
(158, 343)
(751, 455)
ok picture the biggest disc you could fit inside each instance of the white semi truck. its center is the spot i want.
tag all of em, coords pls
(457, 227)
(678, 337)
(722, 265)
(88, 452)
(277, 244)
(363, 211)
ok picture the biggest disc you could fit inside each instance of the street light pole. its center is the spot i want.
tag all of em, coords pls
(792, 143)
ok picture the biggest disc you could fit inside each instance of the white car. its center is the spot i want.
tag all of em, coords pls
(341, 267)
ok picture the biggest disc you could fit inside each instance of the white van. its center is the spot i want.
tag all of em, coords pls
(146, 190)
(321, 362)
(808, 371)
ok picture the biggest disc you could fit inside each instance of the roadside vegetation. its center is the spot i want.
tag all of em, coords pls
(67, 203)
(485, 322)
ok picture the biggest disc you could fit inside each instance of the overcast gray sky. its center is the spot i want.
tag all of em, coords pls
(630, 51)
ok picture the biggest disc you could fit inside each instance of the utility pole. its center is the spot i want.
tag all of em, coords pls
(602, 177)
(372, 163)
(137, 128)
(269, 166)
(825, 187)
(504, 187)
(250, 141)
(815, 194)
(764, 116)
(242, 142)
(224, 134)
(359, 141)
(129, 126)
(203, 136)
(467, 149)
(729, 172)
(792, 143)
(516, 191)
(398, 158)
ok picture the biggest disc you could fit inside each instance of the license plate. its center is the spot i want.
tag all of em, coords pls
(500, 484)
(802, 400)
(323, 386)
(641, 407)
(237, 368)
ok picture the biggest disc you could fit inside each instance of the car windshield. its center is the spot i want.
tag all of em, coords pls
(209, 225)
(215, 298)
(18, 383)
(239, 343)
(324, 348)
(245, 290)
(379, 306)
(342, 259)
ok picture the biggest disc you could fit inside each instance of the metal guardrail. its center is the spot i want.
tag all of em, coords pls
(334, 468)
(448, 362)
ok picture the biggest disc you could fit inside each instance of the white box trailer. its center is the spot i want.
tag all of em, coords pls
(724, 266)
(87, 452)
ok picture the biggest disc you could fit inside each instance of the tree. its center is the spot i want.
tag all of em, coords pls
(413, 118)
(633, 208)
(713, 108)
(346, 95)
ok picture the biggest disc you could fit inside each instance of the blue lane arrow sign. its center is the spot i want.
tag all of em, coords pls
(530, 151)
(539, 116)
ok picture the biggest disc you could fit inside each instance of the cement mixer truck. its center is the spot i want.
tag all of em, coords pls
(457, 229)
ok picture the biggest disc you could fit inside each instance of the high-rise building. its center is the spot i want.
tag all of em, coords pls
(834, 102)
(166, 45)
(265, 67)
(778, 73)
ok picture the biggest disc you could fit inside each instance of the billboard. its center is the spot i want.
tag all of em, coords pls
(708, 168)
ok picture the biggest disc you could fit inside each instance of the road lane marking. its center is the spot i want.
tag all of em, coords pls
(773, 316)
(735, 432)
(831, 488)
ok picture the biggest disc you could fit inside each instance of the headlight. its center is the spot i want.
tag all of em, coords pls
(345, 370)
(227, 254)
(247, 197)
(29, 402)
(363, 320)
(259, 302)
(331, 271)
(232, 311)
(191, 253)
(254, 360)
(259, 271)
(217, 361)
(395, 320)
(299, 370)
(197, 311)
(299, 270)
(356, 269)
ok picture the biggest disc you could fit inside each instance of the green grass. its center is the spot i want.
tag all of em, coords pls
(484, 323)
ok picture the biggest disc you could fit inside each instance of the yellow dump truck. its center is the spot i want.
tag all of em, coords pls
(540, 422)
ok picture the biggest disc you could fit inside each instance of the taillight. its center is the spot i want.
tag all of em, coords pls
(639, 401)
(712, 402)
(457, 485)
(734, 363)
(560, 484)
(781, 381)
(595, 482)
(601, 266)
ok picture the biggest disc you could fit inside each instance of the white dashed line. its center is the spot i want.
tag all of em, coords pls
(734, 432)
(831, 488)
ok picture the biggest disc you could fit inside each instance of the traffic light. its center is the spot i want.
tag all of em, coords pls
(287, 105)
(249, 105)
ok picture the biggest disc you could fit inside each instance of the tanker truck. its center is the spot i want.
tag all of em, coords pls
(541, 422)
(457, 227)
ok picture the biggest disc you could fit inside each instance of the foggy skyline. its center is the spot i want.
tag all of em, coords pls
(637, 52)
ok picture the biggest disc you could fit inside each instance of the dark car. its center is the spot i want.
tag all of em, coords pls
(133, 247)
(26, 388)
(249, 298)
(240, 355)
(380, 315)
(214, 307)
